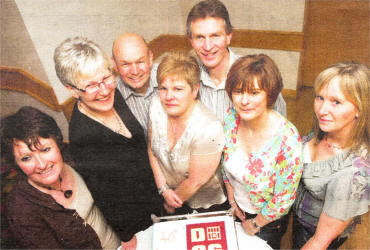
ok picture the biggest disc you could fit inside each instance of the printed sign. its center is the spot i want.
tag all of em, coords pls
(206, 236)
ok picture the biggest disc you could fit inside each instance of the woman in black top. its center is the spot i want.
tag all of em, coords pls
(107, 142)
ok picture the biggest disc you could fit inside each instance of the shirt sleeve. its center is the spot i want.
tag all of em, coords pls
(288, 171)
(347, 195)
(209, 139)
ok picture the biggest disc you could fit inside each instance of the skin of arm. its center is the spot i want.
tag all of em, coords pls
(327, 230)
(201, 169)
(172, 200)
(129, 245)
(230, 197)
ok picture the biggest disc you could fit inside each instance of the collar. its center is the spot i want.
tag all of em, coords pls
(205, 77)
(127, 92)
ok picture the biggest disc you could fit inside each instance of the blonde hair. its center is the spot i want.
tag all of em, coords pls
(355, 85)
(180, 66)
(77, 57)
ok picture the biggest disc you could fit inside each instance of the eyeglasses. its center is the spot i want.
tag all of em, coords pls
(92, 88)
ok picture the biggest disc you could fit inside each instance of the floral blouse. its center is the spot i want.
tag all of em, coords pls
(269, 176)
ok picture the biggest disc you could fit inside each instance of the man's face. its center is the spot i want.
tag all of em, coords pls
(133, 61)
(210, 41)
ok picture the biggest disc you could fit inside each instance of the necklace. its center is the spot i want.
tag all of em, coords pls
(332, 146)
(120, 130)
(67, 193)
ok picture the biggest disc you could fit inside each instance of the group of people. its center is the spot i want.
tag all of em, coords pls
(205, 131)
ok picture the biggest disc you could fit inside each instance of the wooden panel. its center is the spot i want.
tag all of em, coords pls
(166, 43)
(22, 81)
(67, 108)
(334, 31)
(262, 39)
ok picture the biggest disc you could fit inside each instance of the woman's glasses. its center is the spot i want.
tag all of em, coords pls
(94, 87)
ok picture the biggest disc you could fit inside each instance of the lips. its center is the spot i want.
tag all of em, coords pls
(46, 171)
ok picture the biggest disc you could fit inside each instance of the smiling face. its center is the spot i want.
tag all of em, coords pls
(43, 164)
(177, 97)
(210, 42)
(334, 112)
(133, 60)
(102, 99)
(250, 105)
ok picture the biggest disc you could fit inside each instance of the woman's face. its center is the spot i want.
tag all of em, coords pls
(177, 97)
(333, 111)
(99, 91)
(250, 105)
(43, 164)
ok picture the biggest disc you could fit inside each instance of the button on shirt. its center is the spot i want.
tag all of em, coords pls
(216, 97)
(139, 103)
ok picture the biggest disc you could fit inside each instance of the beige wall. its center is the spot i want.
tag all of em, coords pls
(49, 22)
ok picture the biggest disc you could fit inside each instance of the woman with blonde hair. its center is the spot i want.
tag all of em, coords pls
(335, 190)
(107, 142)
(185, 140)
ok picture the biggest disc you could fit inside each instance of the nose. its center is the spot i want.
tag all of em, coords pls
(169, 95)
(245, 98)
(207, 45)
(103, 90)
(134, 69)
(41, 162)
(323, 108)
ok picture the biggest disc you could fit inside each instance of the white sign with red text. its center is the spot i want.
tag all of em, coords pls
(208, 233)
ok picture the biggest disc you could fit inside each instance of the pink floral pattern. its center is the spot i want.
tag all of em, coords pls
(271, 175)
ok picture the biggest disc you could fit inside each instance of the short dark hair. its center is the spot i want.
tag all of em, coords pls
(248, 68)
(208, 8)
(27, 125)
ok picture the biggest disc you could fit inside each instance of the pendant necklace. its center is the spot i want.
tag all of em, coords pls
(331, 146)
(67, 193)
(120, 130)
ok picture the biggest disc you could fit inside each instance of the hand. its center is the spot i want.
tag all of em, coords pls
(171, 198)
(129, 245)
(168, 208)
(238, 212)
(249, 228)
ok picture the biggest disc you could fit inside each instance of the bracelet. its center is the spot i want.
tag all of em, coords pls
(233, 202)
(162, 189)
(256, 225)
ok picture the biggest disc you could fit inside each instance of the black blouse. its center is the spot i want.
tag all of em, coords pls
(116, 169)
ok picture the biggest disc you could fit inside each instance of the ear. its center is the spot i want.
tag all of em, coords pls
(228, 38)
(195, 90)
(150, 58)
(73, 91)
(115, 68)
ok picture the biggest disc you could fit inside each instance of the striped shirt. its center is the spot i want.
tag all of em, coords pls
(139, 103)
(216, 97)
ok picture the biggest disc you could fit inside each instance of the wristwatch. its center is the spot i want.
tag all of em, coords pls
(256, 225)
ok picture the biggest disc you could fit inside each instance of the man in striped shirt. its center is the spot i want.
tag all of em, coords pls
(133, 61)
(209, 31)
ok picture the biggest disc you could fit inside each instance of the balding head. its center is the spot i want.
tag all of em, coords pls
(133, 60)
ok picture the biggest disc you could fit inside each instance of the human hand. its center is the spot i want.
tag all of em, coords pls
(168, 208)
(129, 245)
(249, 228)
(171, 198)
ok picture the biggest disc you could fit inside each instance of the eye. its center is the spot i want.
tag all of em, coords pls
(178, 89)
(161, 88)
(237, 91)
(46, 149)
(319, 98)
(336, 102)
(25, 158)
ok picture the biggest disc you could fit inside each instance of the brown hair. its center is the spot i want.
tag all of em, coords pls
(355, 85)
(208, 8)
(180, 66)
(248, 68)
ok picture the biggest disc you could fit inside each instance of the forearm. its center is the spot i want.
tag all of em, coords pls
(188, 188)
(327, 230)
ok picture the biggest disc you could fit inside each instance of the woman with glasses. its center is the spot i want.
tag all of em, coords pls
(107, 142)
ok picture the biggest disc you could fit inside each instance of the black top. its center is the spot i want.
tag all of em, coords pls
(37, 221)
(116, 169)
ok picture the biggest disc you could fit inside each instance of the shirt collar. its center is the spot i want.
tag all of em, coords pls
(127, 92)
(205, 77)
